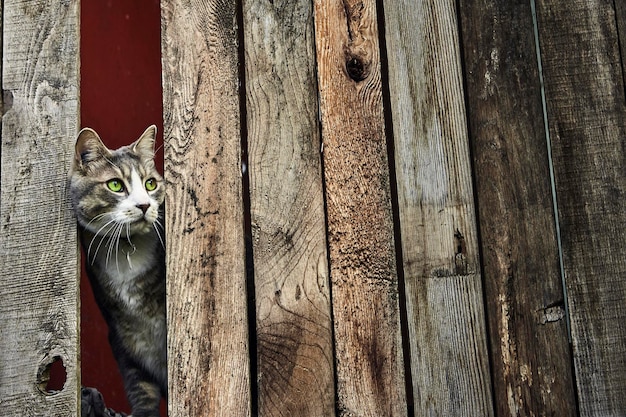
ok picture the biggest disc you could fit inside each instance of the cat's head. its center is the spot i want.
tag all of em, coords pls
(116, 192)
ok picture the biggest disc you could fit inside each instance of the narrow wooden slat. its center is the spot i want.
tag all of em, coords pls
(620, 15)
(449, 361)
(587, 122)
(369, 358)
(38, 245)
(294, 329)
(531, 361)
(206, 288)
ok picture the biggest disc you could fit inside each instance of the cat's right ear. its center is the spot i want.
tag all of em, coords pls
(89, 147)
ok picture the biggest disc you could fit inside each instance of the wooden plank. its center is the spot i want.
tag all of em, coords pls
(620, 16)
(531, 361)
(38, 245)
(369, 358)
(584, 87)
(293, 318)
(449, 360)
(206, 286)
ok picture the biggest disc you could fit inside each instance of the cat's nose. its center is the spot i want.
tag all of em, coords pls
(143, 207)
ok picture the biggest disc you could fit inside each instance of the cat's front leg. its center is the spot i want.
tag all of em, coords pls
(143, 394)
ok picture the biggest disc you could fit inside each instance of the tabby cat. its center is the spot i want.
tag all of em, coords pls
(117, 196)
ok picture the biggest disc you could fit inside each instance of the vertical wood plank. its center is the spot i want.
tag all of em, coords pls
(369, 360)
(620, 16)
(38, 245)
(587, 122)
(294, 328)
(449, 361)
(206, 288)
(531, 361)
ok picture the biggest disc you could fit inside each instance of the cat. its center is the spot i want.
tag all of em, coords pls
(118, 199)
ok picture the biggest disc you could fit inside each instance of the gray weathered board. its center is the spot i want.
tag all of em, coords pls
(38, 246)
(586, 113)
(448, 337)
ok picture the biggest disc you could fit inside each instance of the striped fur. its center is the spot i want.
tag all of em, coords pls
(121, 233)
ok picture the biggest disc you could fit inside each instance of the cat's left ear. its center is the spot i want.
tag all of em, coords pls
(144, 146)
(88, 148)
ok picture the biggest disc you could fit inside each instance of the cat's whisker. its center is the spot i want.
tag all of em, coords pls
(110, 225)
(156, 226)
(98, 217)
(117, 247)
(113, 241)
(110, 236)
(130, 264)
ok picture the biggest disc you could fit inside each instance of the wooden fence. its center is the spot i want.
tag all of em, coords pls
(429, 221)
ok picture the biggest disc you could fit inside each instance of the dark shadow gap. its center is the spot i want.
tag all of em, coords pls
(395, 207)
(247, 220)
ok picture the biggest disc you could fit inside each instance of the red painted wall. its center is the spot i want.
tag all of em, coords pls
(120, 97)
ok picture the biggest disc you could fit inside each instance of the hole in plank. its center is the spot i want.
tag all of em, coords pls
(52, 376)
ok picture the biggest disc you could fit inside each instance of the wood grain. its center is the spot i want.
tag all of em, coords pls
(206, 288)
(38, 245)
(369, 359)
(294, 328)
(531, 361)
(587, 119)
(620, 18)
(448, 338)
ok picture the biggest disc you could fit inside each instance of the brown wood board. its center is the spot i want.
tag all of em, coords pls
(293, 318)
(209, 371)
(369, 357)
(531, 361)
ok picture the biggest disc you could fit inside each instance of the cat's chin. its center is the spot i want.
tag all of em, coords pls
(141, 227)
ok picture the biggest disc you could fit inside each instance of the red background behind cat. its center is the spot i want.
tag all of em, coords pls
(120, 97)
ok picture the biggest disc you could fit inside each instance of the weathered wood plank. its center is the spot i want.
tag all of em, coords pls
(449, 361)
(369, 358)
(531, 361)
(294, 328)
(38, 245)
(587, 122)
(620, 15)
(206, 287)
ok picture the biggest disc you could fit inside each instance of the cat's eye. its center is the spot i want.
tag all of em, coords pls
(116, 185)
(151, 184)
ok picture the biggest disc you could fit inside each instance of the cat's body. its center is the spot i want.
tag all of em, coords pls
(118, 196)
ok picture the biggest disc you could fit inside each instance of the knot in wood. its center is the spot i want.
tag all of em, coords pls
(356, 68)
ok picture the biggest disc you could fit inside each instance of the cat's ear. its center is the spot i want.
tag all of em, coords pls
(144, 146)
(89, 147)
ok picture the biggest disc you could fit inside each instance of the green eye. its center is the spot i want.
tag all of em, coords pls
(151, 184)
(116, 185)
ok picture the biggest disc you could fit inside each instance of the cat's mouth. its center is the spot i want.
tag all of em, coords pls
(141, 225)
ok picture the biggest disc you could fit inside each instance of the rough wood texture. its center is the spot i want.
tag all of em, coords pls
(294, 328)
(449, 361)
(620, 16)
(586, 116)
(38, 246)
(531, 361)
(370, 368)
(206, 287)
